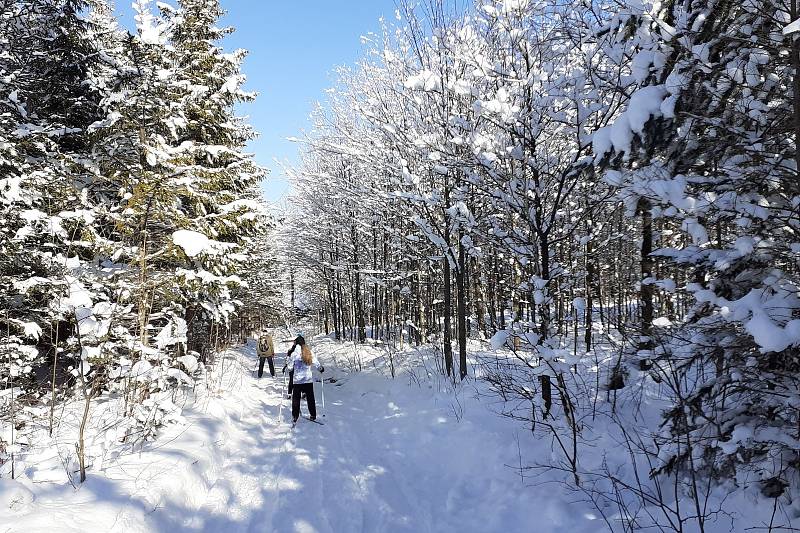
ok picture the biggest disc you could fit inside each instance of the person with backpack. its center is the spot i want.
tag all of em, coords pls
(266, 352)
(303, 381)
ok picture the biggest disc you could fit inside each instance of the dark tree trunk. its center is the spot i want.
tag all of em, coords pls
(448, 311)
(590, 292)
(462, 312)
(478, 298)
(795, 54)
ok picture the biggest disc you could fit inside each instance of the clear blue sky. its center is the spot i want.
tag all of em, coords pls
(294, 46)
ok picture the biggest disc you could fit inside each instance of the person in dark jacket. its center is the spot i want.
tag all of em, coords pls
(303, 381)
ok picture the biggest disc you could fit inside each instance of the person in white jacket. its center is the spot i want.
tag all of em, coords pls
(301, 365)
(299, 341)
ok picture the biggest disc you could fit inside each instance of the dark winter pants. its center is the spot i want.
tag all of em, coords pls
(299, 389)
(261, 366)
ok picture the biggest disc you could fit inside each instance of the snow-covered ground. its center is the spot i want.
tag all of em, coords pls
(393, 455)
(413, 453)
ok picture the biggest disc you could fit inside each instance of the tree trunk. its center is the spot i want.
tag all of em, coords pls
(544, 308)
(795, 53)
(544, 329)
(478, 298)
(291, 285)
(462, 311)
(448, 311)
(646, 289)
(590, 292)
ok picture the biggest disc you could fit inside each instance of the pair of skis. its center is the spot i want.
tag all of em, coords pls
(309, 419)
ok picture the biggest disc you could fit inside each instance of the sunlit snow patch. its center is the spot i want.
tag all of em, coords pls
(192, 242)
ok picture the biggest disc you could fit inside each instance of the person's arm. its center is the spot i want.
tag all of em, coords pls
(289, 359)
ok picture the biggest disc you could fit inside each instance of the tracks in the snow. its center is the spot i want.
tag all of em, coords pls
(340, 475)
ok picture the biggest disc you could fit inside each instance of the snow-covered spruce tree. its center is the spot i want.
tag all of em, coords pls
(195, 202)
(188, 190)
(261, 294)
(125, 201)
(208, 148)
(162, 203)
(134, 193)
(709, 142)
(49, 101)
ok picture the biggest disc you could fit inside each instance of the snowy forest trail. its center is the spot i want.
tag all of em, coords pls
(345, 475)
(390, 457)
(393, 455)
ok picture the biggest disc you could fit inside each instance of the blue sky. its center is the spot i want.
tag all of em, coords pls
(294, 46)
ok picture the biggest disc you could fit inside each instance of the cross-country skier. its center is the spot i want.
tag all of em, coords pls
(303, 383)
(266, 352)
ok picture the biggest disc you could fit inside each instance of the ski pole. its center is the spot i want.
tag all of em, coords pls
(280, 409)
(323, 396)
(255, 370)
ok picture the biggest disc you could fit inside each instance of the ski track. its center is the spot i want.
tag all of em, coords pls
(338, 477)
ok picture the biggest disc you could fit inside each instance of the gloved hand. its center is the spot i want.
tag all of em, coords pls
(284, 369)
(322, 368)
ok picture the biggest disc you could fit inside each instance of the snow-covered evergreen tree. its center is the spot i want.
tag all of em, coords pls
(49, 102)
(709, 139)
(127, 197)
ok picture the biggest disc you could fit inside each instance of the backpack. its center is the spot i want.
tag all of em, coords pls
(263, 344)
